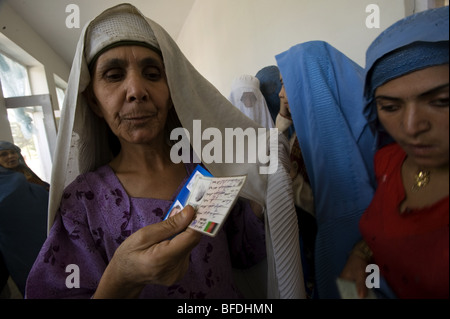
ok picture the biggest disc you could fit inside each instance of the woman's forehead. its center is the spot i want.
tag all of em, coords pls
(418, 83)
(126, 53)
(7, 151)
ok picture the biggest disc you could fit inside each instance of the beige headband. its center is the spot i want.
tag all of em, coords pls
(109, 30)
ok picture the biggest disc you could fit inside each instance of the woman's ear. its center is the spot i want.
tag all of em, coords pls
(92, 101)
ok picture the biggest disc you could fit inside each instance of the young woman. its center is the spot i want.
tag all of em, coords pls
(405, 228)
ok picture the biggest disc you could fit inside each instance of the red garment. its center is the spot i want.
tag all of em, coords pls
(411, 249)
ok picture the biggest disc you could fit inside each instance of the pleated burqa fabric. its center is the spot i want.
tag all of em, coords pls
(324, 89)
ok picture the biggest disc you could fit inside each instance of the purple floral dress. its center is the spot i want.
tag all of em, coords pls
(95, 217)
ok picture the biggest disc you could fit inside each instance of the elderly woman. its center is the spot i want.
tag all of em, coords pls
(130, 85)
(23, 213)
(405, 228)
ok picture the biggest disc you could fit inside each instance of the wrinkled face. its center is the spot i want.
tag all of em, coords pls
(131, 93)
(414, 110)
(9, 159)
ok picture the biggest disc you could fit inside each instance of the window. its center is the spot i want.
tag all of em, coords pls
(14, 77)
(26, 122)
(61, 87)
(60, 92)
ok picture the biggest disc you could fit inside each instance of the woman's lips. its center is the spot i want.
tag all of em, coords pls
(13, 163)
(420, 149)
(138, 117)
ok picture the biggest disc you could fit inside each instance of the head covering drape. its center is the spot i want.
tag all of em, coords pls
(247, 97)
(270, 86)
(415, 42)
(81, 147)
(5, 145)
(23, 167)
(324, 90)
(23, 216)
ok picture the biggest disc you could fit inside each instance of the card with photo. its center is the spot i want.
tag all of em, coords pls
(182, 197)
(212, 199)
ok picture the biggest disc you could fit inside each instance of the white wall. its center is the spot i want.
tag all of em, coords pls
(18, 31)
(224, 39)
(20, 41)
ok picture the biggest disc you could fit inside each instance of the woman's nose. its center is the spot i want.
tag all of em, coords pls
(136, 88)
(12, 154)
(415, 121)
(281, 93)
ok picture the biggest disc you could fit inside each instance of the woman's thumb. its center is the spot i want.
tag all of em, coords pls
(180, 221)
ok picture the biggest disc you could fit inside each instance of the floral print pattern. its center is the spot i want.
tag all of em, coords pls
(96, 215)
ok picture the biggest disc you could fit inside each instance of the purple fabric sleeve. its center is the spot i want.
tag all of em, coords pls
(96, 216)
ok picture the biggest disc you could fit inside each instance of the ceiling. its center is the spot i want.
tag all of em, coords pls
(48, 18)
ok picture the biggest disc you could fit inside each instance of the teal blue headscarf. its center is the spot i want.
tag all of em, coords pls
(324, 89)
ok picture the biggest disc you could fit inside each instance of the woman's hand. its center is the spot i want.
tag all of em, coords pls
(355, 269)
(149, 257)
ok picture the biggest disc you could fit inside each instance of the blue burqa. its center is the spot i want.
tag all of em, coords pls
(325, 93)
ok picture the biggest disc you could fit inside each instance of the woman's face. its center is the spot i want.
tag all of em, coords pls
(131, 93)
(9, 159)
(248, 99)
(414, 110)
(283, 96)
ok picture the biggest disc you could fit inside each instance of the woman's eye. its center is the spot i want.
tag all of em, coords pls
(440, 102)
(152, 73)
(6, 153)
(388, 107)
(113, 75)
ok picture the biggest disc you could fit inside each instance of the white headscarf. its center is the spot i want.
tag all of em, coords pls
(247, 97)
(82, 143)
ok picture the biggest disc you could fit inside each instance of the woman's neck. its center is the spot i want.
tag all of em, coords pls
(148, 172)
(142, 157)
